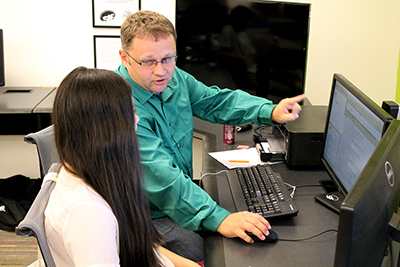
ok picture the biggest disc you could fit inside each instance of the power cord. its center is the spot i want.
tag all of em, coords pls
(311, 237)
(206, 174)
(264, 130)
(216, 173)
(308, 238)
(294, 187)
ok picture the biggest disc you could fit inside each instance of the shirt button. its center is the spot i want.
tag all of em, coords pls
(170, 124)
(180, 144)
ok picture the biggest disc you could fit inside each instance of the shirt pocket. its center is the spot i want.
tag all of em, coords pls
(184, 123)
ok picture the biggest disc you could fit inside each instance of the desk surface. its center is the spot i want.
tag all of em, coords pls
(312, 218)
(25, 110)
(46, 105)
(22, 99)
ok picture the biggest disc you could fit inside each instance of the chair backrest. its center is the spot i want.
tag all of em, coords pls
(33, 223)
(46, 147)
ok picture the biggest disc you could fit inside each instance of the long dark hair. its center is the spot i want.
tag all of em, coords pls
(94, 127)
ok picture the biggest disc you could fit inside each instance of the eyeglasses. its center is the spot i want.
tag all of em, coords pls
(149, 64)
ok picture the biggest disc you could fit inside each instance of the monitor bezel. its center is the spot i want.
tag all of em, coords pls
(365, 100)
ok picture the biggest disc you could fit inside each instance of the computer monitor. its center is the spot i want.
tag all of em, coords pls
(2, 78)
(366, 212)
(354, 126)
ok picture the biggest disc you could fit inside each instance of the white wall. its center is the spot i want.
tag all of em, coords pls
(45, 39)
(18, 157)
(358, 38)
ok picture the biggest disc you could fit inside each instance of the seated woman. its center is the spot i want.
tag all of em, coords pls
(98, 214)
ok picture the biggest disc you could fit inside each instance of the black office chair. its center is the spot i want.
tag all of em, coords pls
(46, 147)
(33, 223)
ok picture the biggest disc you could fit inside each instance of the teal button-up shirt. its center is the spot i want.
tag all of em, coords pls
(165, 133)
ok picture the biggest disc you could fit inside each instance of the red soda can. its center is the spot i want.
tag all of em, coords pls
(229, 134)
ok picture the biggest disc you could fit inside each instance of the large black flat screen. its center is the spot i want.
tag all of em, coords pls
(257, 46)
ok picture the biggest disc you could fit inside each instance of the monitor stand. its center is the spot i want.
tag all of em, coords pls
(332, 198)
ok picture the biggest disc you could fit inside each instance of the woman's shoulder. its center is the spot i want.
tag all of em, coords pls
(71, 195)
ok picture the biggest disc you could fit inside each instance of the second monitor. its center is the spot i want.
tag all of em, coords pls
(354, 126)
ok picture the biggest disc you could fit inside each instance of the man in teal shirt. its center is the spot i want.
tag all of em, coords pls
(166, 99)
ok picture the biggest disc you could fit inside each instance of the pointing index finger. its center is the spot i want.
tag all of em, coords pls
(299, 98)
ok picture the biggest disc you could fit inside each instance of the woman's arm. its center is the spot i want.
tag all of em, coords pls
(177, 260)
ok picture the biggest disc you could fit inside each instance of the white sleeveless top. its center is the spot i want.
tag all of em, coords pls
(81, 228)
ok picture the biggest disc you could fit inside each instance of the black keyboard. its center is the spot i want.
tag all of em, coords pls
(265, 192)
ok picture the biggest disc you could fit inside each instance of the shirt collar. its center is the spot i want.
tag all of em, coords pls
(142, 95)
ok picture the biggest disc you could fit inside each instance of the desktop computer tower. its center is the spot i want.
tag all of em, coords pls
(304, 138)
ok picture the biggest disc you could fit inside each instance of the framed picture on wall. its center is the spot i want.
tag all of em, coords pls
(111, 14)
(106, 54)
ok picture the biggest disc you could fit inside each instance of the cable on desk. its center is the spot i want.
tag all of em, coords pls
(205, 174)
(311, 237)
(294, 187)
(264, 129)
(317, 185)
(308, 238)
(216, 173)
(274, 162)
(309, 185)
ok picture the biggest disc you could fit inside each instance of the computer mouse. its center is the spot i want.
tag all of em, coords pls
(271, 238)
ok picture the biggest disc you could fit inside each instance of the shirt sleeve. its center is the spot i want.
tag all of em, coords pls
(225, 106)
(98, 226)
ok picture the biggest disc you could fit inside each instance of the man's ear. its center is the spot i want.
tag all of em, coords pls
(124, 57)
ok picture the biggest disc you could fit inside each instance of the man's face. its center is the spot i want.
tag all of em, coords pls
(154, 79)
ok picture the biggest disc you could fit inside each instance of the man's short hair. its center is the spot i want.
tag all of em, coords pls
(143, 24)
